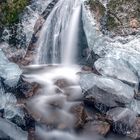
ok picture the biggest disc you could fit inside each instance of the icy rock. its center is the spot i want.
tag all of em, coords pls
(107, 91)
(9, 71)
(12, 130)
(117, 69)
(123, 119)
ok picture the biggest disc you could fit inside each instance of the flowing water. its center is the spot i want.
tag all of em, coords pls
(59, 35)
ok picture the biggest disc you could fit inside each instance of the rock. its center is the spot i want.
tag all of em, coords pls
(134, 23)
(105, 91)
(97, 126)
(25, 88)
(135, 132)
(8, 103)
(12, 130)
(51, 110)
(63, 83)
(73, 93)
(86, 68)
(135, 106)
(98, 8)
(127, 13)
(117, 69)
(10, 72)
(80, 115)
(122, 119)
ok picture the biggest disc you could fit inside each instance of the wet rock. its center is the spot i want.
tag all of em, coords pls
(86, 68)
(73, 93)
(117, 69)
(105, 91)
(39, 24)
(122, 119)
(50, 110)
(80, 115)
(135, 132)
(62, 83)
(26, 89)
(97, 126)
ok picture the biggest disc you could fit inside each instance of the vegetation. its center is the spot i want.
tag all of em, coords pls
(10, 10)
(97, 8)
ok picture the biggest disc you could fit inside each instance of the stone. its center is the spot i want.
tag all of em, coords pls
(80, 115)
(104, 90)
(9, 71)
(97, 126)
(134, 23)
(63, 83)
(135, 132)
(11, 130)
(118, 69)
(135, 106)
(122, 119)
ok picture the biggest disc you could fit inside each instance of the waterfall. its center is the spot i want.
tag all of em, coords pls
(59, 35)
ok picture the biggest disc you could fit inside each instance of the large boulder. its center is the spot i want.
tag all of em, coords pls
(122, 119)
(105, 91)
(117, 69)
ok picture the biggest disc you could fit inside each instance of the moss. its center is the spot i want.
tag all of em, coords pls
(10, 10)
(96, 5)
(114, 4)
(111, 23)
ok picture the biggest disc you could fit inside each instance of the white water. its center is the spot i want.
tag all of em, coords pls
(71, 42)
(59, 34)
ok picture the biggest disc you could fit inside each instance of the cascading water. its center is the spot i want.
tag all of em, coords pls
(59, 35)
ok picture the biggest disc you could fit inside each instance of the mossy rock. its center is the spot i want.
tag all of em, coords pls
(125, 9)
(97, 7)
(10, 10)
(111, 22)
